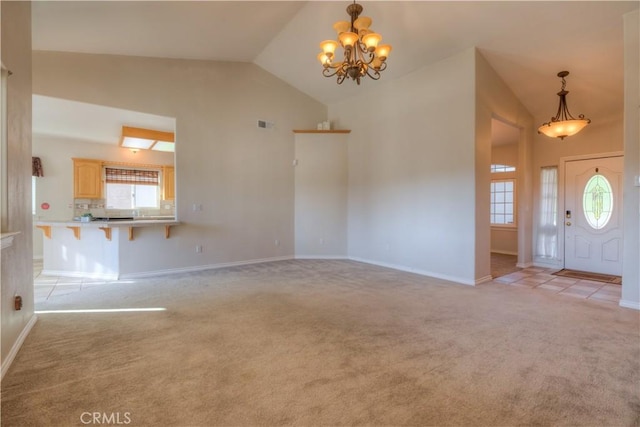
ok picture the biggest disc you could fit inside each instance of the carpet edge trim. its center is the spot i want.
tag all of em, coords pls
(17, 345)
(416, 271)
(635, 305)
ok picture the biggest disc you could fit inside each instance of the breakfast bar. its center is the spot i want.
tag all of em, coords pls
(94, 249)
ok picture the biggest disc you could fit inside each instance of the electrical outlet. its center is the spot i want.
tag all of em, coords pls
(277, 242)
(199, 249)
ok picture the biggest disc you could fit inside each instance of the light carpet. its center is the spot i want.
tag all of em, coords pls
(326, 343)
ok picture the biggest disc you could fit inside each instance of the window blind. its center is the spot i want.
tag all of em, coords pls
(131, 176)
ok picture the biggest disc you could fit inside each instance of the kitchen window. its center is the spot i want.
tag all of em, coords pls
(132, 188)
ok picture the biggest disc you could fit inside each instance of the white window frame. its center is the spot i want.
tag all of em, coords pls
(159, 186)
(505, 173)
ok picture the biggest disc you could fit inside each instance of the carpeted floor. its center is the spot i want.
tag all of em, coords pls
(325, 343)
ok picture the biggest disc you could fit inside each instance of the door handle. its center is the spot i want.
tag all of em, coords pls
(568, 223)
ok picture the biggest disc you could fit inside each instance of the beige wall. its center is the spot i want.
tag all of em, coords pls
(631, 266)
(505, 154)
(410, 150)
(321, 180)
(17, 265)
(241, 175)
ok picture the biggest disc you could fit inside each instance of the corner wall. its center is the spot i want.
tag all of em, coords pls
(494, 99)
(410, 150)
(631, 266)
(17, 265)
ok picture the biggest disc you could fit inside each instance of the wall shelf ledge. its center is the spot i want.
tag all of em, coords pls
(7, 238)
(321, 131)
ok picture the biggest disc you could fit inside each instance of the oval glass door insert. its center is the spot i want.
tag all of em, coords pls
(597, 201)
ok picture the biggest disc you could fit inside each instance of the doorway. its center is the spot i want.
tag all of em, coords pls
(504, 195)
(592, 215)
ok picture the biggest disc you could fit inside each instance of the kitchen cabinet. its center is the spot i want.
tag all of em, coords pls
(168, 183)
(87, 179)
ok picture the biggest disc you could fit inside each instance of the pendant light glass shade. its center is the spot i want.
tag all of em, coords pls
(563, 124)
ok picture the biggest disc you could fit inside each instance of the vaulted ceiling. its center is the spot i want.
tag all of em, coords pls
(526, 42)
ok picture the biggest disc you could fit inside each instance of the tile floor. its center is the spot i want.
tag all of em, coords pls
(542, 279)
(47, 287)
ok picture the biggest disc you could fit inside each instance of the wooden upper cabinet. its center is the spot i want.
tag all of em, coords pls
(87, 179)
(168, 183)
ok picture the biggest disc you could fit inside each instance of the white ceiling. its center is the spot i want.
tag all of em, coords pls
(89, 122)
(526, 42)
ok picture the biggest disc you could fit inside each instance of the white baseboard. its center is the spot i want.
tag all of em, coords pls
(504, 252)
(484, 279)
(80, 274)
(38, 258)
(524, 264)
(16, 346)
(201, 267)
(630, 304)
(455, 279)
(321, 257)
(538, 262)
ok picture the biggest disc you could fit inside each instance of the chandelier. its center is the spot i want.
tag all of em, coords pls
(363, 56)
(563, 124)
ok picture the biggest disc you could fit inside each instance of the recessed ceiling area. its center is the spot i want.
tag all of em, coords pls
(89, 122)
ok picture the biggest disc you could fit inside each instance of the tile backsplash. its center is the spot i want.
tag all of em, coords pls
(97, 208)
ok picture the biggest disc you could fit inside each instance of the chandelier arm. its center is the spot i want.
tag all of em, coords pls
(376, 74)
(327, 72)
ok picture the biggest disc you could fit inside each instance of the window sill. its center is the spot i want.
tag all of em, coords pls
(506, 227)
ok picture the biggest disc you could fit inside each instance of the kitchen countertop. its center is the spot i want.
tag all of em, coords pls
(109, 224)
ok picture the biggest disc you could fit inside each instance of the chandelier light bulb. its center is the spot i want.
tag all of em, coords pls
(329, 47)
(383, 50)
(371, 40)
(348, 38)
(341, 27)
(362, 23)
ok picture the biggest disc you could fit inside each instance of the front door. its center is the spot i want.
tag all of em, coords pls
(593, 215)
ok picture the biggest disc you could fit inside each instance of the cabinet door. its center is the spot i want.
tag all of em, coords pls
(87, 179)
(168, 183)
